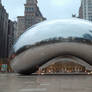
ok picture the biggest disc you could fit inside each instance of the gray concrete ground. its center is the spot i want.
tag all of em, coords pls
(45, 83)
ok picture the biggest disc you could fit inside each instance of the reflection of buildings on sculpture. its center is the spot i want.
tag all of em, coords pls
(63, 67)
(32, 15)
(85, 11)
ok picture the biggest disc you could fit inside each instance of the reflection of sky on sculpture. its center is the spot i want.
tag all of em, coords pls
(54, 29)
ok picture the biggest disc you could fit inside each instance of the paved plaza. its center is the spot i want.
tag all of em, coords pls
(45, 83)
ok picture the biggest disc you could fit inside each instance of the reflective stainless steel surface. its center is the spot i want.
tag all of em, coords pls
(50, 39)
(55, 83)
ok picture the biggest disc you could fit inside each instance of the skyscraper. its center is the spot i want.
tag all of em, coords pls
(6, 33)
(32, 15)
(86, 10)
(3, 32)
(81, 12)
(10, 38)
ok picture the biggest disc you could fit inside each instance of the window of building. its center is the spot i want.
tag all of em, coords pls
(29, 9)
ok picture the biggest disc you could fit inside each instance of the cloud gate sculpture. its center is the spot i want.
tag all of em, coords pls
(48, 40)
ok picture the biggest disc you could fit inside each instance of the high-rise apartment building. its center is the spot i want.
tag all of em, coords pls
(85, 10)
(32, 15)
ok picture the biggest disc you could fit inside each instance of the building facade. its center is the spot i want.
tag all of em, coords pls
(80, 12)
(3, 32)
(10, 38)
(20, 26)
(32, 15)
(6, 39)
(6, 33)
(15, 30)
(85, 10)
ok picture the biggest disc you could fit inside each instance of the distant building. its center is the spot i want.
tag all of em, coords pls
(81, 12)
(85, 10)
(10, 36)
(20, 26)
(32, 15)
(15, 30)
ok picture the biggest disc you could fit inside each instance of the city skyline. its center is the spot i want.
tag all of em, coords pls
(57, 9)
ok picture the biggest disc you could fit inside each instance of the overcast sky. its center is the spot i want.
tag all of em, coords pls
(51, 9)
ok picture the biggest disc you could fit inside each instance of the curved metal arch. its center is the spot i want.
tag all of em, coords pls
(67, 59)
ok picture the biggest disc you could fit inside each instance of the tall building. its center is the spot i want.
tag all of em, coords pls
(81, 12)
(20, 26)
(10, 38)
(6, 33)
(85, 10)
(32, 15)
(6, 39)
(3, 32)
(15, 30)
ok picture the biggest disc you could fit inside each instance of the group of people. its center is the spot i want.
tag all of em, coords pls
(5, 67)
